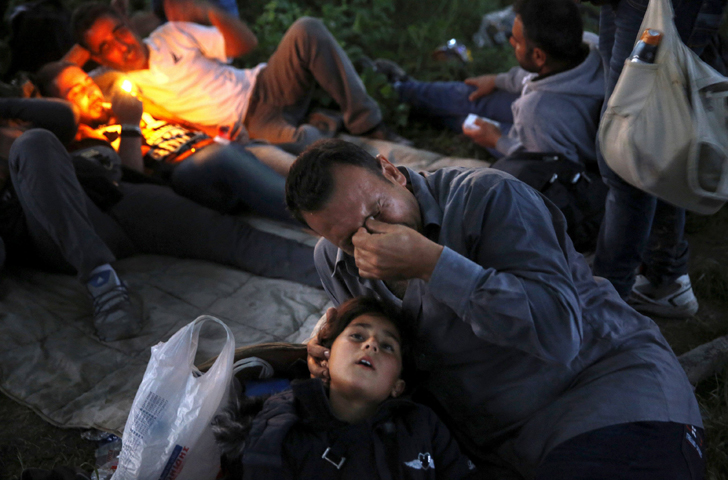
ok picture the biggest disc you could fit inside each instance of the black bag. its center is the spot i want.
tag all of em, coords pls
(579, 194)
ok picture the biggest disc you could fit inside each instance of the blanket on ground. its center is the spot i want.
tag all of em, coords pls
(51, 361)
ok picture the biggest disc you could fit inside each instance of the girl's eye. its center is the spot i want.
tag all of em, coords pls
(357, 336)
(388, 347)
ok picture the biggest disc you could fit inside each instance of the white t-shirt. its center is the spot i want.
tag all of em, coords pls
(189, 76)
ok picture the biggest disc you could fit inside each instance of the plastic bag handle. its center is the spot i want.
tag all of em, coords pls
(228, 348)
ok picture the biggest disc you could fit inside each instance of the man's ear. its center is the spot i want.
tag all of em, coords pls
(391, 172)
(398, 388)
(539, 57)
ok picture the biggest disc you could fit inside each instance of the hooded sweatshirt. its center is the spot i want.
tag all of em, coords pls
(558, 113)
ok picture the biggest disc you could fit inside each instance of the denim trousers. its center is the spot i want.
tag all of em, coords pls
(638, 228)
(70, 233)
(230, 179)
(448, 102)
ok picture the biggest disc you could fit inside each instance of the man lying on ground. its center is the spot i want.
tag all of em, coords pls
(536, 365)
(551, 103)
(224, 175)
(46, 207)
(182, 67)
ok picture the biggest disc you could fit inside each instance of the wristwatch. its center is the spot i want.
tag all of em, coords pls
(128, 130)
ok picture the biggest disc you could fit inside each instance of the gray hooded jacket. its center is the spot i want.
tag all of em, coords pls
(559, 113)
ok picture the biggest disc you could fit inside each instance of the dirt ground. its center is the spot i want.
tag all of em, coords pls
(28, 441)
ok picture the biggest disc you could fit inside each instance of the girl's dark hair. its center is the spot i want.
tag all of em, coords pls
(356, 307)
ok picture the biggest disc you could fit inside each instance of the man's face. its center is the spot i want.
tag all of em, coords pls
(78, 88)
(359, 194)
(521, 47)
(365, 362)
(114, 45)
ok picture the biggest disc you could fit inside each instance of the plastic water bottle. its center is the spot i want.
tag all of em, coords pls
(646, 49)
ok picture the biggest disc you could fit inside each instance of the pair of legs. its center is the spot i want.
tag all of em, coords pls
(71, 233)
(231, 178)
(637, 227)
(307, 55)
(629, 451)
(448, 102)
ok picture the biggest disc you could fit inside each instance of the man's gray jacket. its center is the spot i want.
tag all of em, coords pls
(524, 347)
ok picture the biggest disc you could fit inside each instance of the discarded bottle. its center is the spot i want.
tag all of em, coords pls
(646, 49)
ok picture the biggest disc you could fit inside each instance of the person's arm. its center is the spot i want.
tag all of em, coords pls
(49, 113)
(77, 55)
(239, 39)
(512, 80)
(514, 288)
(128, 110)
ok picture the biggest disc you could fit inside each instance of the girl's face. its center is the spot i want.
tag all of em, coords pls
(366, 360)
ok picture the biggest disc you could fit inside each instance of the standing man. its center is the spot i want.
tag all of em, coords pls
(638, 230)
(537, 365)
(182, 67)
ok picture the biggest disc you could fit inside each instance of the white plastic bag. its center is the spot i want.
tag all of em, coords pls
(664, 129)
(167, 435)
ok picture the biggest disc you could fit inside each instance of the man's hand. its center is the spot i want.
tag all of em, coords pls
(484, 85)
(486, 135)
(127, 108)
(318, 355)
(195, 11)
(384, 251)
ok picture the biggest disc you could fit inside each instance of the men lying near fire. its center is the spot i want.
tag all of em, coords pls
(73, 212)
(550, 103)
(535, 365)
(357, 425)
(182, 67)
(222, 174)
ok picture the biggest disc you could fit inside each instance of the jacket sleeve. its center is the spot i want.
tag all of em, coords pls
(512, 80)
(50, 114)
(513, 286)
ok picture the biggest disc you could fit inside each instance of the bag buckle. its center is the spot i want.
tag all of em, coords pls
(332, 462)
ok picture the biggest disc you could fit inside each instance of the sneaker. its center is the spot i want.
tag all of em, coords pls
(383, 132)
(674, 300)
(116, 317)
(391, 70)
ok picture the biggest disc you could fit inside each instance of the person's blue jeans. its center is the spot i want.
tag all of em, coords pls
(448, 102)
(637, 227)
(228, 178)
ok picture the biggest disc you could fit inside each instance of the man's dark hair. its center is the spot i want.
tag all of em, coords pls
(310, 182)
(86, 15)
(554, 26)
(358, 306)
(45, 78)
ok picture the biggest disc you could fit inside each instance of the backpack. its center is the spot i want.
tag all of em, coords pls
(579, 194)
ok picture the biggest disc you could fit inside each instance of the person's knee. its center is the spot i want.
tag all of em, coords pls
(36, 144)
(309, 27)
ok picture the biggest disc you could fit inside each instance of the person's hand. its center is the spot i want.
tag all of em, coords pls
(384, 251)
(127, 108)
(195, 11)
(484, 85)
(318, 355)
(486, 134)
